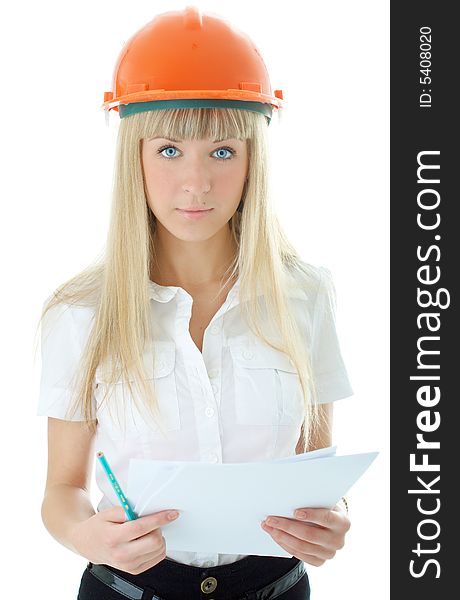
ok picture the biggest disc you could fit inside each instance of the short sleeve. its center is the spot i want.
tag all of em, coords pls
(60, 356)
(329, 370)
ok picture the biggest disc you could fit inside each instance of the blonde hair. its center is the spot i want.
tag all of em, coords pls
(116, 285)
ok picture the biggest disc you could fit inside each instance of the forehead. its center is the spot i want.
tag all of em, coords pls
(202, 141)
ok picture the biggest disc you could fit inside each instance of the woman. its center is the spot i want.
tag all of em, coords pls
(201, 335)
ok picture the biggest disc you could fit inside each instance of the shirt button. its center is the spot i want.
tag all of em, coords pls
(247, 354)
(213, 373)
(215, 329)
(208, 563)
(209, 411)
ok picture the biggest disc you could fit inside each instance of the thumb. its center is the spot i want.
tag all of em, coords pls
(115, 514)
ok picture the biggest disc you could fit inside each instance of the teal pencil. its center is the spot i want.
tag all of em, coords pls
(116, 486)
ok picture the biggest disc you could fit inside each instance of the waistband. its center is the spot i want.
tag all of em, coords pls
(251, 578)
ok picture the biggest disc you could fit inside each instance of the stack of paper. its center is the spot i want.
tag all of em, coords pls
(221, 505)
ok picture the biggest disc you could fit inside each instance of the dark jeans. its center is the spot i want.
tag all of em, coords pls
(178, 581)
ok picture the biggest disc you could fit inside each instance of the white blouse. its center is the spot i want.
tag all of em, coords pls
(238, 400)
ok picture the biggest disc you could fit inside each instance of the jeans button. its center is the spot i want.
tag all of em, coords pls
(208, 585)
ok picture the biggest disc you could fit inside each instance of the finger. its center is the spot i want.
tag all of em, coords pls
(334, 521)
(147, 549)
(303, 546)
(132, 530)
(311, 559)
(150, 542)
(320, 516)
(151, 562)
(114, 514)
(304, 531)
(151, 559)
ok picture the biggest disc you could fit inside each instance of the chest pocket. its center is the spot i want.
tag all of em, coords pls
(118, 414)
(267, 386)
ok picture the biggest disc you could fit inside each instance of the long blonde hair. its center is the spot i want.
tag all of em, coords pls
(116, 285)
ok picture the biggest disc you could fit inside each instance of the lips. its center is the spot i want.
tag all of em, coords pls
(194, 214)
(194, 209)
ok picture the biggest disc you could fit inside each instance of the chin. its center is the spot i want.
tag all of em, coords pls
(191, 234)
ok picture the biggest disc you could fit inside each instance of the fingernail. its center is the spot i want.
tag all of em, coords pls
(173, 515)
(272, 521)
(300, 514)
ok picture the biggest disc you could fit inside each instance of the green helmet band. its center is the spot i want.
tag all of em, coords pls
(124, 110)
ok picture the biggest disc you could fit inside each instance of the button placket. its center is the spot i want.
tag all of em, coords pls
(204, 392)
(215, 329)
(212, 352)
(208, 430)
(209, 411)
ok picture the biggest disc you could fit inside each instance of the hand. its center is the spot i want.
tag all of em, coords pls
(131, 546)
(314, 538)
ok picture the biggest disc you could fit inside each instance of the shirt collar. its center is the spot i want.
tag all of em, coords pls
(165, 293)
(161, 293)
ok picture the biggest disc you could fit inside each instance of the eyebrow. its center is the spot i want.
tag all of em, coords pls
(181, 141)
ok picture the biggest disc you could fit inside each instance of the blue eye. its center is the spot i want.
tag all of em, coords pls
(223, 149)
(232, 153)
(161, 150)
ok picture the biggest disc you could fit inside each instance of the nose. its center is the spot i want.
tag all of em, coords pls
(196, 182)
(197, 189)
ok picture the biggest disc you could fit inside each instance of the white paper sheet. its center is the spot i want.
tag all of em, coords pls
(222, 505)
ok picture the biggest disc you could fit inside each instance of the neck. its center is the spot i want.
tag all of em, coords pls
(192, 264)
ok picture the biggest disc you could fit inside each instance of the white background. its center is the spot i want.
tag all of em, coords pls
(331, 174)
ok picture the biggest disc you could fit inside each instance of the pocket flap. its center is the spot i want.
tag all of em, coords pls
(260, 356)
(158, 362)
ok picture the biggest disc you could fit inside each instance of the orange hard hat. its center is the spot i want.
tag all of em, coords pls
(190, 59)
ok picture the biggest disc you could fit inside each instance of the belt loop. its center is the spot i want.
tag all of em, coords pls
(148, 594)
